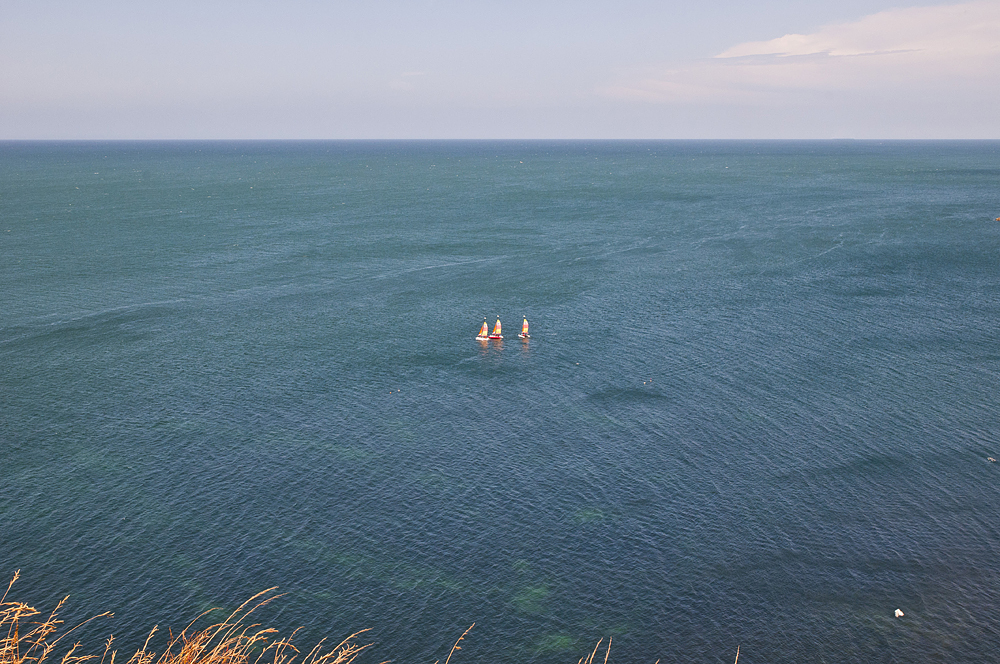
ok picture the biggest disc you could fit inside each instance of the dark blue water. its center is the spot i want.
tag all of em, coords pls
(756, 407)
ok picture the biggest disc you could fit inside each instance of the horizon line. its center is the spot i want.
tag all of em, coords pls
(491, 140)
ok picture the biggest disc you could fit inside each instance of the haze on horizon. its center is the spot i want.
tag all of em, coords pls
(109, 69)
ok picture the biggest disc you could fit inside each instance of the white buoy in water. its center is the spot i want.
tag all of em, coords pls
(899, 614)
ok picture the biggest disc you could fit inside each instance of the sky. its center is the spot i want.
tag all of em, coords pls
(104, 69)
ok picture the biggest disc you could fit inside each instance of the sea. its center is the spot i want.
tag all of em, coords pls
(758, 408)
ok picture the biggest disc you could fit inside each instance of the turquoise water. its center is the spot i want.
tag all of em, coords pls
(755, 410)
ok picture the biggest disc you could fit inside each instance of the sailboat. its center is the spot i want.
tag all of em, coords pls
(496, 330)
(484, 332)
(524, 330)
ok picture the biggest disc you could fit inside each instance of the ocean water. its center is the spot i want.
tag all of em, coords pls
(756, 408)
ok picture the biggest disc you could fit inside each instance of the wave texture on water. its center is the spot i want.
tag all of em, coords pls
(755, 409)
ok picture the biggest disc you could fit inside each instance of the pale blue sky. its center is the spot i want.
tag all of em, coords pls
(475, 69)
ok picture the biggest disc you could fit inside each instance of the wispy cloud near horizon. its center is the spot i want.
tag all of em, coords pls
(944, 31)
(452, 69)
(908, 53)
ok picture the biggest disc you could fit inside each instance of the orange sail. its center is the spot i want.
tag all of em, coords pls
(496, 330)
(524, 330)
(484, 331)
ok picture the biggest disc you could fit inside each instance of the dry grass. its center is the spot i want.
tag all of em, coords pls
(29, 641)
(589, 659)
(26, 639)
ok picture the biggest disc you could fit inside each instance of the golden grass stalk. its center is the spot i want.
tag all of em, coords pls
(589, 659)
(28, 641)
(456, 646)
(232, 641)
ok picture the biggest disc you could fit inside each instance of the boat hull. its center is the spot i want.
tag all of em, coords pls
(524, 336)
(496, 336)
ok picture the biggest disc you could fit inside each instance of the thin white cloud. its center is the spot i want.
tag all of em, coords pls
(944, 31)
(915, 51)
